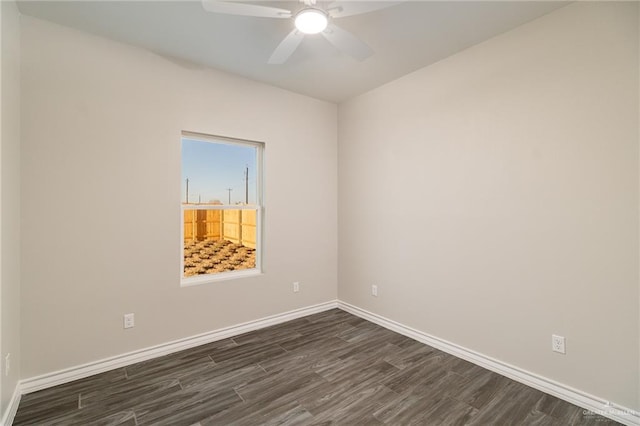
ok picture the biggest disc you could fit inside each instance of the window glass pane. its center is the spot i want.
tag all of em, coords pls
(218, 173)
(220, 201)
(219, 241)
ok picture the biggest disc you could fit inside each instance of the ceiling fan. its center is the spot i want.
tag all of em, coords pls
(310, 19)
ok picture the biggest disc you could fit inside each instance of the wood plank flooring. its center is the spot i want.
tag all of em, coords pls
(328, 368)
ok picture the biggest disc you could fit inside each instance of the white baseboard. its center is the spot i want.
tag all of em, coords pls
(74, 373)
(588, 402)
(584, 400)
(12, 408)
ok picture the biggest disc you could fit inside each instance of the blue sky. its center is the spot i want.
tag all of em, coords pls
(214, 167)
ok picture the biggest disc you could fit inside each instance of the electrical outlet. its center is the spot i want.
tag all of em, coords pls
(374, 290)
(129, 321)
(296, 287)
(7, 364)
(557, 344)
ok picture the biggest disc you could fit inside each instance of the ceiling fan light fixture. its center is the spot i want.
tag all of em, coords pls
(311, 21)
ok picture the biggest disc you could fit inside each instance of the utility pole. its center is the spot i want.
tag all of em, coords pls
(229, 189)
(187, 200)
(246, 185)
(199, 199)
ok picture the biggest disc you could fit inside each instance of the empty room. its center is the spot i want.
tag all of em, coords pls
(314, 212)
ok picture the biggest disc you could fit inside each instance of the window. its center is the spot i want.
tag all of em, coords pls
(221, 208)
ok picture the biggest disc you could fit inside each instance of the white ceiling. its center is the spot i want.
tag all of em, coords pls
(405, 37)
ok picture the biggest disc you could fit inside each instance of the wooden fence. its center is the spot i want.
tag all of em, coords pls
(237, 226)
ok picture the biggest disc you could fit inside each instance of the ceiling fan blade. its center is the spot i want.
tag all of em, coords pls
(235, 8)
(340, 9)
(286, 47)
(347, 42)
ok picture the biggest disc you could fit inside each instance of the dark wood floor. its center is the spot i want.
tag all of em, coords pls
(328, 368)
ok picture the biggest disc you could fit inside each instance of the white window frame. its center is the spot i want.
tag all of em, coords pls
(258, 208)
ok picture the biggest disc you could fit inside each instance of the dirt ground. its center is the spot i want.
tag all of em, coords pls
(211, 257)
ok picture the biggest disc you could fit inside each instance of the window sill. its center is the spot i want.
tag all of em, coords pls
(224, 276)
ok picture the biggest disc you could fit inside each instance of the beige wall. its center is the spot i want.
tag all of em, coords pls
(9, 199)
(493, 198)
(101, 141)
